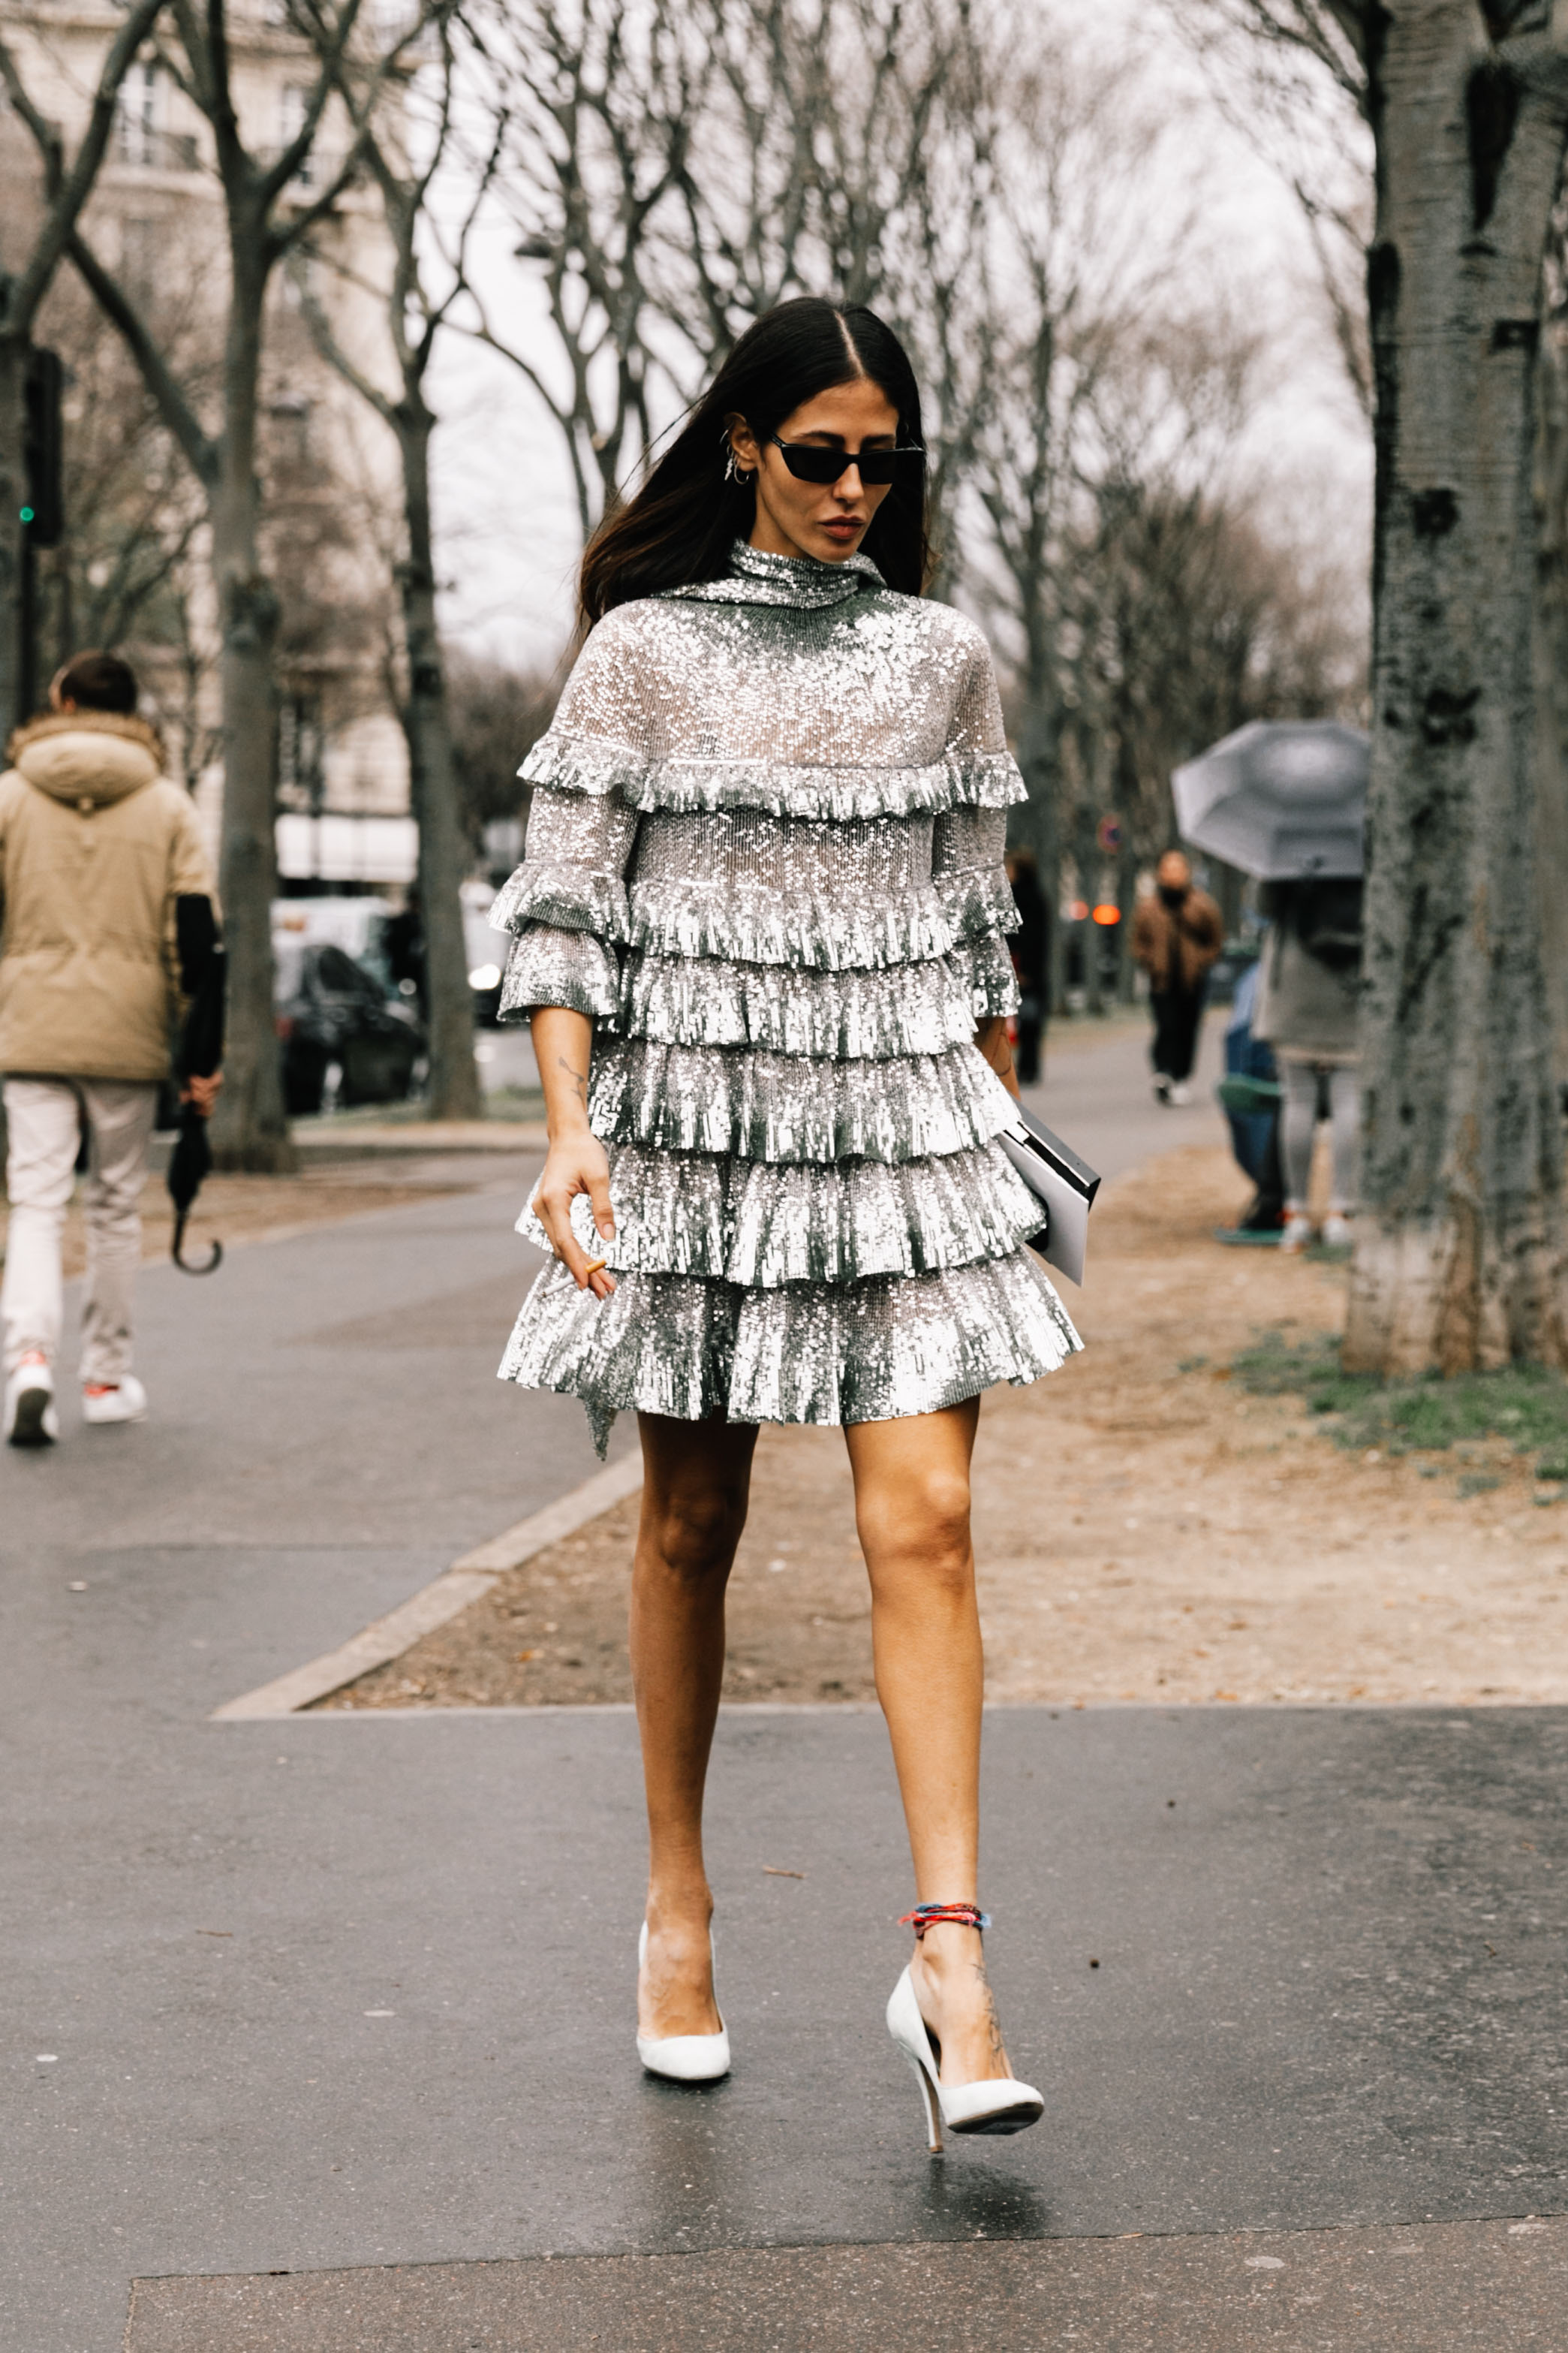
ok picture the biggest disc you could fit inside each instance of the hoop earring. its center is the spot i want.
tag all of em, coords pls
(732, 472)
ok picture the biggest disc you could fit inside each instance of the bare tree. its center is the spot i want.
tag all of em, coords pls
(65, 184)
(678, 168)
(1552, 628)
(415, 309)
(1461, 1262)
(594, 105)
(498, 714)
(128, 569)
(267, 209)
(1290, 82)
(1072, 276)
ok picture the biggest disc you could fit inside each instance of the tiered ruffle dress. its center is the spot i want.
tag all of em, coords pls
(765, 855)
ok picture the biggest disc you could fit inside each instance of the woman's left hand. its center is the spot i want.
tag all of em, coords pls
(992, 1040)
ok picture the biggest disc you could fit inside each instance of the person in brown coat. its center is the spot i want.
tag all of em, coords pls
(99, 852)
(1177, 931)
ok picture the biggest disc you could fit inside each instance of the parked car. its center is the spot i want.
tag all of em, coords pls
(487, 951)
(344, 1036)
(357, 922)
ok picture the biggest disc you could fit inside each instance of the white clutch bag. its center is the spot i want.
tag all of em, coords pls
(1063, 1185)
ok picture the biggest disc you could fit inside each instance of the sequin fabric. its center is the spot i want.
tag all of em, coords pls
(764, 857)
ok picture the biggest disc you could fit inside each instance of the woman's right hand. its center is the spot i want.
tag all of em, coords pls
(577, 1163)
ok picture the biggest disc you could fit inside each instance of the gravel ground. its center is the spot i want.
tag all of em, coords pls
(1147, 1530)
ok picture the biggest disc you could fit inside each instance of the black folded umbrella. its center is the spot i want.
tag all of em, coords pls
(200, 1054)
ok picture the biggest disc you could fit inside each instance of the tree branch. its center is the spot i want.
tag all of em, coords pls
(332, 352)
(69, 190)
(200, 450)
(275, 178)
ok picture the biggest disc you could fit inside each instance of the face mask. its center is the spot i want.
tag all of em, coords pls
(1173, 893)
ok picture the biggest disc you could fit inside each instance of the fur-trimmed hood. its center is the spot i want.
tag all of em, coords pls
(88, 758)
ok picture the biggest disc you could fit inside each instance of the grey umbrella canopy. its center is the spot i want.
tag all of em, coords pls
(1283, 799)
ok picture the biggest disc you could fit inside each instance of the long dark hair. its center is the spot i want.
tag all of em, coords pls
(680, 527)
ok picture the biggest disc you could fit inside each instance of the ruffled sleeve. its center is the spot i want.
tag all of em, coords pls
(969, 842)
(567, 902)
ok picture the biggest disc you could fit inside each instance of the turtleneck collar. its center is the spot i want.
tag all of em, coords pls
(756, 577)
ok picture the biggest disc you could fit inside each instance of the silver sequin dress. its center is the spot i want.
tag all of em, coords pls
(765, 855)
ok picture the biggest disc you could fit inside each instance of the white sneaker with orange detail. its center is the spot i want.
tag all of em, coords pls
(121, 1400)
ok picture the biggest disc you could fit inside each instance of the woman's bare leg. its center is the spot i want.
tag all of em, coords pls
(912, 1505)
(696, 1480)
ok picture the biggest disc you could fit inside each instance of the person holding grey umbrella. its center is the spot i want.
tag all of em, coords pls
(1307, 1010)
(99, 852)
(1286, 801)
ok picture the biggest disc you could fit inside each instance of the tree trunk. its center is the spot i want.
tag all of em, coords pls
(13, 532)
(1088, 882)
(249, 1128)
(1127, 901)
(433, 785)
(1037, 826)
(1460, 1262)
(1551, 682)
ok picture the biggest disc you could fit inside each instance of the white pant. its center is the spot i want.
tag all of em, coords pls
(1305, 1084)
(45, 1117)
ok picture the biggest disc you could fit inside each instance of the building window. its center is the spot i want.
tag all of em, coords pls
(301, 776)
(138, 119)
(291, 415)
(294, 104)
(141, 136)
(143, 246)
(392, 21)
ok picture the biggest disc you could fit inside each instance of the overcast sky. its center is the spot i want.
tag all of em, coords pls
(508, 520)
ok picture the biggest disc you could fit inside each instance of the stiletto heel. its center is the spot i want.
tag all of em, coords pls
(685, 2058)
(1001, 2104)
(932, 2113)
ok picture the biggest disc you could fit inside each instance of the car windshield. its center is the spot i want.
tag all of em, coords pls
(339, 973)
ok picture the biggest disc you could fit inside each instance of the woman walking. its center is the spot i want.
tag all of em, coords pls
(761, 928)
(1308, 1010)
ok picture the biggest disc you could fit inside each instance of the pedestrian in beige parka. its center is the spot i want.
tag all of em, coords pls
(98, 849)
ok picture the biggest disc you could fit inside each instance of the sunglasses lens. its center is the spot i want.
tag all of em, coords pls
(812, 465)
(826, 466)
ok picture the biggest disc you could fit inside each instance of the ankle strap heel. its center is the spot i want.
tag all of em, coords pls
(931, 1915)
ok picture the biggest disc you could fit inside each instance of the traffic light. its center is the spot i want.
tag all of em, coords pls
(43, 509)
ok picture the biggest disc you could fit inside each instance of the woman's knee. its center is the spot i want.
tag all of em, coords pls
(695, 1530)
(920, 1525)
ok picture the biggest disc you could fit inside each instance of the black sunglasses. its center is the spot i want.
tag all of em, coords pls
(809, 464)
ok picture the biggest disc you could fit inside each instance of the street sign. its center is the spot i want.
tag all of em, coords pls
(1108, 833)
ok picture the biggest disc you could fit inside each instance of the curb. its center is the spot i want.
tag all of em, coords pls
(445, 1597)
(417, 1139)
(330, 1146)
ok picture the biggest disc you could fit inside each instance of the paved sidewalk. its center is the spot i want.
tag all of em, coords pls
(349, 1993)
(1102, 1101)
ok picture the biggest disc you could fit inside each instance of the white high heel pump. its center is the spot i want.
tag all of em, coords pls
(684, 2058)
(1000, 2104)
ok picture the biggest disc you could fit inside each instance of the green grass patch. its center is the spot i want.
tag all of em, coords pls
(1525, 1405)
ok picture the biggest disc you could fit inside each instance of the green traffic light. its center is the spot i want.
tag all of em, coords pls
(26, 514)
